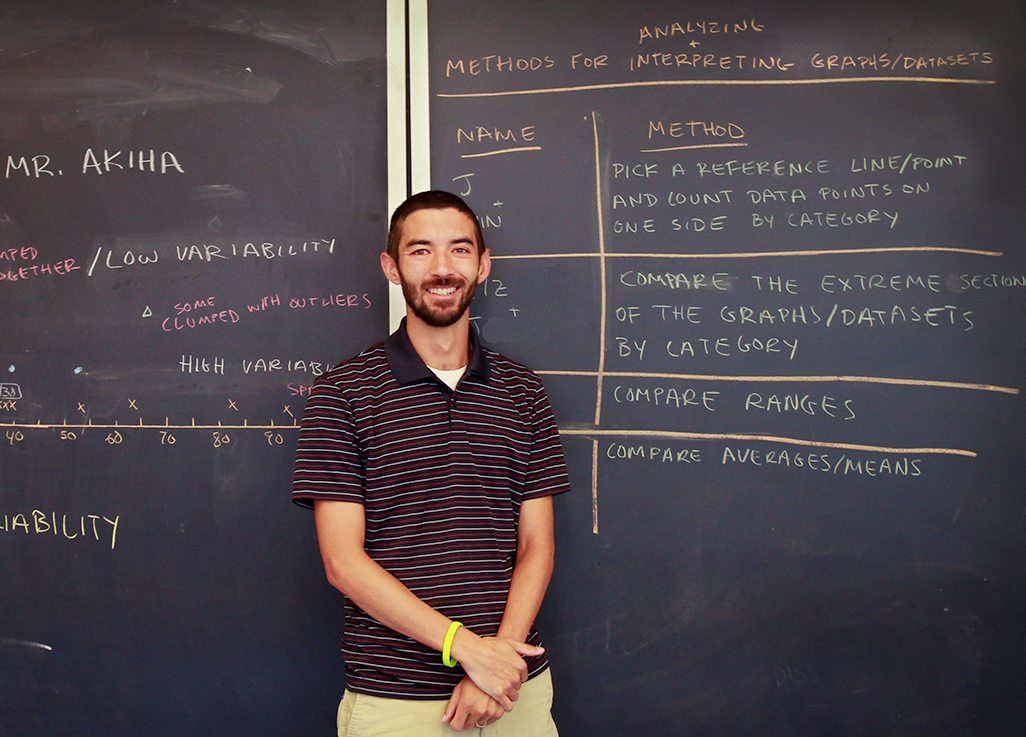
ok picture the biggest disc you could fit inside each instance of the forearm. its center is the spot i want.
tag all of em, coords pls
(386, 599)
(495, 664)
(532, 571)
(527, 590)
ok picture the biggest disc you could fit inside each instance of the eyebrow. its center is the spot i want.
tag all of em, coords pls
(427, 242)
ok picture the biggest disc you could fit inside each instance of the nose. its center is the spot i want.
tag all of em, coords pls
(441, 263)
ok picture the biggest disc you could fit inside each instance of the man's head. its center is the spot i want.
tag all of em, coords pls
(432, 199)
(436, 253)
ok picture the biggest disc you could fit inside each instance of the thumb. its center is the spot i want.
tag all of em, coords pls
(530, 650)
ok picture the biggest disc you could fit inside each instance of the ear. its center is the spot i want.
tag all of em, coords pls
(484, 268)
(391, 268)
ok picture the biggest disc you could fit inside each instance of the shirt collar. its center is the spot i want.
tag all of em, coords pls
(407, 366)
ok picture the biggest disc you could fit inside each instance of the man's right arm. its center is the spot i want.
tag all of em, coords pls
(495, 664)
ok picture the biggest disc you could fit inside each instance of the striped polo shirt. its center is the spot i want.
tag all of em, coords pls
(441, 475)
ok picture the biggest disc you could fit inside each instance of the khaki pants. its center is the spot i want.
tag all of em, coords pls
(360, 715)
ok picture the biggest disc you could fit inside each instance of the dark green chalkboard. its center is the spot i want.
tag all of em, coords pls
(768, 259)
(191, 207)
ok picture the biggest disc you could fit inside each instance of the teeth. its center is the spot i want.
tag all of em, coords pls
(442, 290)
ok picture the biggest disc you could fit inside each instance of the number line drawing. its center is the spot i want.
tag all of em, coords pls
(166, 426)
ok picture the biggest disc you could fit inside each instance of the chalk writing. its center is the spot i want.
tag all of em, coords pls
(271, 365)
(177, 323)
(53, 268)
(497, 63)
(193, 364)
(699, 28)
(695, 129)
(842, 465)
(709, 61)
(38, 523)
(481, 133)
(659, 454)
(800, 403)
(667, 396)
(211, 251)
(142, 160)
(898, 61)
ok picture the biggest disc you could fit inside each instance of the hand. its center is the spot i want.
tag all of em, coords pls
(470, 708)
(495, 664)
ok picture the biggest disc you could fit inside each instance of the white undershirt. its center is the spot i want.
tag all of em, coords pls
(449, 378)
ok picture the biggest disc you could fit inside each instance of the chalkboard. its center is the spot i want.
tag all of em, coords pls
(768, 259)
(191, 210)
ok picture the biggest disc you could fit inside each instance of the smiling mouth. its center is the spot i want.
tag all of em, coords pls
(441, 291)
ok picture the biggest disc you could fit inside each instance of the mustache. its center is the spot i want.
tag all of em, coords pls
(442, 282)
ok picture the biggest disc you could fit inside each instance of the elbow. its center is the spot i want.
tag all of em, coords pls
(338, 573)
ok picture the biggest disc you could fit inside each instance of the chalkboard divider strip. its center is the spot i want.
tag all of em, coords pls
(763, 254)
(796, 379)
(682, 435)
(715, 82)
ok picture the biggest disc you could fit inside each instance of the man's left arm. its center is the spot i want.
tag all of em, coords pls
(536, 554)
(532, 571)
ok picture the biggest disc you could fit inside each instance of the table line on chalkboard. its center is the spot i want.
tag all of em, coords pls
(754, 254)
(594, 486)
(683, 435)
(604, 289)
(603, 309)
(713, 82)
(797, 379)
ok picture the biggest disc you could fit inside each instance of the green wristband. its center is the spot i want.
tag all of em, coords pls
(447, 647)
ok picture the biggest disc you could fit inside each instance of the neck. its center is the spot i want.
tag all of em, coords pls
(445, 348)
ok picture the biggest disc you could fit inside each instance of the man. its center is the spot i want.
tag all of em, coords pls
(430, 462)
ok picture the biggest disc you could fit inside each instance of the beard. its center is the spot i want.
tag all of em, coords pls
(438, 317)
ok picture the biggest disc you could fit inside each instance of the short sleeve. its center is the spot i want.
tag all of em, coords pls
(329, 465)
(546, 472)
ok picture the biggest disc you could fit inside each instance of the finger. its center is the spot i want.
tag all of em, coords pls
(524, 649)
(459, 721)
(450, 710)
(506, 702)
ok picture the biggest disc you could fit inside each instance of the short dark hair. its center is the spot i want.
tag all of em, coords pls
(432, 199)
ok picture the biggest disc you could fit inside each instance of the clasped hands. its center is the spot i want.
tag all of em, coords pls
(495, 669)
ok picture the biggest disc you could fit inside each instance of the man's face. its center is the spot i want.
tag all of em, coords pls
(439, 265)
